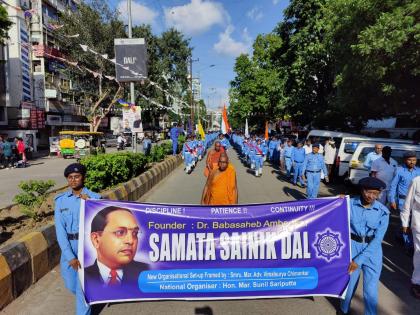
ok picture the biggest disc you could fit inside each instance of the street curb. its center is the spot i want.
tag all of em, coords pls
(24, 262)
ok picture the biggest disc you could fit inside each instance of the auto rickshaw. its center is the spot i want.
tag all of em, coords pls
(77, 144)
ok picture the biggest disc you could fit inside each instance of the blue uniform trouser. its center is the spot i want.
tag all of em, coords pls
(188, 159)
(312, 187)
(259, 161)
(270, 154)
(276, 156)
(72, 283)
(297, 173)
(174, 146)
(371, 274)
(288, 162)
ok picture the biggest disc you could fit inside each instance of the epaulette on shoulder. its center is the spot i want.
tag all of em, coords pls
(59, 195)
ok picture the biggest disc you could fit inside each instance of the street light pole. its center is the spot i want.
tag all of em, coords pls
(132, 93)
(192, 96)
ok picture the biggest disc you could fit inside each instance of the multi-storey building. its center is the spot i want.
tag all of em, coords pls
(39, 97)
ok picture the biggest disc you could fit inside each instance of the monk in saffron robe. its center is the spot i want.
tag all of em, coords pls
(221, 186)
(213, 156)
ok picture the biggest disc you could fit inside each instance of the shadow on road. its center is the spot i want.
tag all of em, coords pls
(291, 192)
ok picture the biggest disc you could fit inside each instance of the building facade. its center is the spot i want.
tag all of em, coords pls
(39, 98)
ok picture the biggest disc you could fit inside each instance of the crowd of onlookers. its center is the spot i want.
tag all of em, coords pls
(13, 153)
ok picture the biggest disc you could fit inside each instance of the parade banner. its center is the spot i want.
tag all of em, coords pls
(136, 251)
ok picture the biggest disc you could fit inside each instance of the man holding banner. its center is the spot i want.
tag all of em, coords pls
(66, 217)
(368, 221)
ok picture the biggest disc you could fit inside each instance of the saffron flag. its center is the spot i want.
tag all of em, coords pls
(201, 131)
(266, 131)
(225, 123)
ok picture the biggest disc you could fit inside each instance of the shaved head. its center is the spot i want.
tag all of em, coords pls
(223, 161)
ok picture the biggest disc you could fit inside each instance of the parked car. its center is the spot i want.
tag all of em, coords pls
(322, 135)
(349, 145)
(357, 170)
(111, 140)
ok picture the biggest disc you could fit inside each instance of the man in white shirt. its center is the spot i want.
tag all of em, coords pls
(372, 156)
(329, 156)
(412, 207)
(384, 169)
(308, 146)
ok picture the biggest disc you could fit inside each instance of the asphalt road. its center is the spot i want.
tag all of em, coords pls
(49, 296)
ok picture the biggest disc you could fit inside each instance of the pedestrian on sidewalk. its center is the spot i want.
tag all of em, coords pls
(221, 187)
(21, 152)
(384, 168)
(311, 171)
(66, 217)
(8, 153)
(368, 221)
(411, 211)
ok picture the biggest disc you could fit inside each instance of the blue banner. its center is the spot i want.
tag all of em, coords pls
(136, 251)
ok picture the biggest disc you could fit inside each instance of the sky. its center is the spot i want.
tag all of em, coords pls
(219, 31)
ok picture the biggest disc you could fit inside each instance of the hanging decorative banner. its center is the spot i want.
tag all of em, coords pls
(132, 55)
(134, 251)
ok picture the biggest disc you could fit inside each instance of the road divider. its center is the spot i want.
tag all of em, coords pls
(24, 262)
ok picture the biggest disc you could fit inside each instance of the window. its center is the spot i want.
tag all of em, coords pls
(364, 152)
(350, 147)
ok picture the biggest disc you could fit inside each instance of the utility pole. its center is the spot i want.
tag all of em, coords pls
(191, 96)
(191, 91)
(132, 95)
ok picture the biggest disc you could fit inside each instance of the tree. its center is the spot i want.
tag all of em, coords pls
(333, 64)
(4, 24)
(97, 26)
(167, 63)
(375, 47)
(256, 91)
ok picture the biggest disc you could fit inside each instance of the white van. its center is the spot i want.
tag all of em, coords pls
(349, 145)
(322, 135)
(358, 171)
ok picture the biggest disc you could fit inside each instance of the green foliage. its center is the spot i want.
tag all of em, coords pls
(332, 64)
(168, 55)
(33, 195)
(181, 141)
(108, 170)
(97, 25)
(158, 152)
(4, 24)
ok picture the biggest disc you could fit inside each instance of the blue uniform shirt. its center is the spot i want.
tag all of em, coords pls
(372, 156)
(288, 151)
(314, 163)
(225, 142)
(401, 182)
(372, 221)
(174, 133)
(66, 216)
(298, 155)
